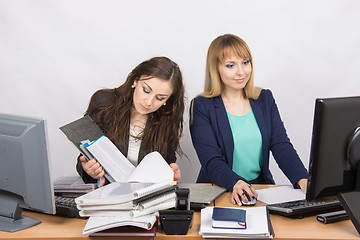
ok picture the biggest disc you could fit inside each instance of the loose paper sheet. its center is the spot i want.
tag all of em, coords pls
(280, 194)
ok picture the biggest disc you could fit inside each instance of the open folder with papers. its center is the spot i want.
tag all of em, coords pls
(87, 137)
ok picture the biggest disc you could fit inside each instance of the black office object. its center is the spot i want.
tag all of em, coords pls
(303, 208)
(332, 217)
(335, 144)
(178, 221)
(81, 130)
(335, 149)
(350, 202)
(66, 207)
(182, 199)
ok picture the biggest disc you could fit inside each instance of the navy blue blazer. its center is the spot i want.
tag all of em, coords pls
(213, 141)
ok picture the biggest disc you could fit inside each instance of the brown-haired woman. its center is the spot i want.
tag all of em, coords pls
(144, 114)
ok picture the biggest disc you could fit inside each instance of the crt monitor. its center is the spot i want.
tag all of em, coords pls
(25, 181)
(335, 147)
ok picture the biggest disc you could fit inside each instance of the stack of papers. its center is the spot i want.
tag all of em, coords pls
(134, 195)
(72, 186)
(125, 204)
(258, 225)
(97, 226)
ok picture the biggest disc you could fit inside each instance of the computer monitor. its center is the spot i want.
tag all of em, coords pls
(335, 147)
(25, 181)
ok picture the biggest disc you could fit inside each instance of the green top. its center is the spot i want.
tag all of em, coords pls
(247, 157)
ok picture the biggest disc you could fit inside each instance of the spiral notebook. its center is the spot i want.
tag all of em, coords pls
(121, 192)
(134, 213)
(96, 224)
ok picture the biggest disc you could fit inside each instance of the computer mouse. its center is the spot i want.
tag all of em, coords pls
(251, 201)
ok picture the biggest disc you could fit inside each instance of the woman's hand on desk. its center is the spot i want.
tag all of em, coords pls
(92, 167)
(238, 190)
(303, 184)
(176, 169)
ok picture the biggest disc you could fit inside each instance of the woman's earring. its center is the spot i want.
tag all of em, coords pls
(164, 103)
(133, 86)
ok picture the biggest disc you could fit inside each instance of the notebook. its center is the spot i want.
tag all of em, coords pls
(96, 224)
(126, 231)
(223, 217)
(170, 203)
(201, 194)
(258, 225)
(120, 192)
(139, 203)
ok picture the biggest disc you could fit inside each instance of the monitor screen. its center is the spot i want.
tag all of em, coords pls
(336, 121)
(25, 181)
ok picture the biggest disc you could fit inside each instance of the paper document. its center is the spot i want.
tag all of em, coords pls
(152, 168)
(280, 194)
(120, 192)
(110, 158)
(256, 220)
(95, 224)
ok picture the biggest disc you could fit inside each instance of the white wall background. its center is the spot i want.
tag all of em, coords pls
(55, 54)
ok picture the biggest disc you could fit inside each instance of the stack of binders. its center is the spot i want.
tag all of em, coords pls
(125, 204)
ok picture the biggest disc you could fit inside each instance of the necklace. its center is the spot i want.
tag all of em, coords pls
(138, 123)
(137, 119)
(238, 111)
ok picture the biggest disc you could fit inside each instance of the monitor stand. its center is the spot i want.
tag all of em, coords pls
(11, 219)
(350, 201)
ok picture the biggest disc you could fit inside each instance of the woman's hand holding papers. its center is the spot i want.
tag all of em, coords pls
(176, 169)
(92, 167)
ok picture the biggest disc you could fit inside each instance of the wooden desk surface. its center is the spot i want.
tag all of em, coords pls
(58, 228)
(306, 228)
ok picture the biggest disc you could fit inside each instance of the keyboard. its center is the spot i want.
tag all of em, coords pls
(66, 207)
(303, 208)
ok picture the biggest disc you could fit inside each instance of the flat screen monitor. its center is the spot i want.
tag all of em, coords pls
(335, 147)
(25, 181)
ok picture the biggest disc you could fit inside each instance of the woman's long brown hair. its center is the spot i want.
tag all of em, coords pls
(164, 126)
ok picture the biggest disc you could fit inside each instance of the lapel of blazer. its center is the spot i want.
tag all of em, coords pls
(226, 138)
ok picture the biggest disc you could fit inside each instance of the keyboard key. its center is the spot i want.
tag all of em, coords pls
(66, 207)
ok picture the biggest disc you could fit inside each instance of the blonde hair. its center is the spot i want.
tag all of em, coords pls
(221, 48)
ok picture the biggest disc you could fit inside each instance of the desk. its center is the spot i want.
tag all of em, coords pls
(59, 228)
(306, 228)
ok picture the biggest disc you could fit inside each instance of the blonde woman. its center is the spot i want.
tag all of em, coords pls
(234, 125)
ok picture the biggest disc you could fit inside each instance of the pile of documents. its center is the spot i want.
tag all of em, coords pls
(125, 204)
(72, 186)
(256, 224)
(134, 195)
